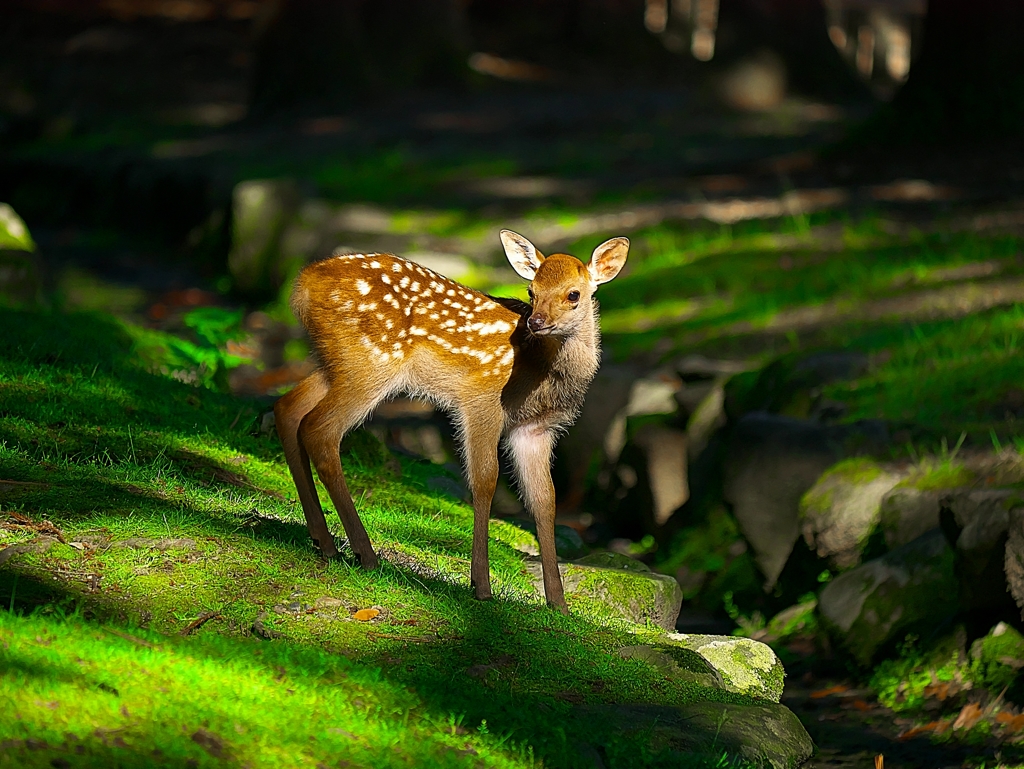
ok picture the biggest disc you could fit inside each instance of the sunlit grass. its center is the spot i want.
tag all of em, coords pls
(168, 508)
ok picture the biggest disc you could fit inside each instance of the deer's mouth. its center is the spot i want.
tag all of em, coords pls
(545, 331)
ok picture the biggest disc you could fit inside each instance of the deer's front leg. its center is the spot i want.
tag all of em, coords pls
(481, 434)
(531, 447)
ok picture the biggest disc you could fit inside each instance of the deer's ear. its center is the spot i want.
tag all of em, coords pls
(608, 259)
(523, 256)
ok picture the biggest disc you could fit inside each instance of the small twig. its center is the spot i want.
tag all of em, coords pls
(238, 416)
(199, 621)
(129, 637)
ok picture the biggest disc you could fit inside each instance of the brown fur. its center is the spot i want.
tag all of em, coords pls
(504, 369)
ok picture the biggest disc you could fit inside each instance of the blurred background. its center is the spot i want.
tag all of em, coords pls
(824, 199)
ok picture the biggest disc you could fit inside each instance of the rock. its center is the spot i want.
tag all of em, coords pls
(755, 83)
(14, 235)
(38, 545)
(650, 395)
(260, 210)
(880, 601)
(976, 523)
(906, 513)
(764, 735)
(20, 275)
(1014, 560)
(840, 511)
(664, 456)
(707, 416)
(260, 629)
(771, 462)
(617, 586)
(677, 663)
(746, 666)
(568, 543)
(997, 658)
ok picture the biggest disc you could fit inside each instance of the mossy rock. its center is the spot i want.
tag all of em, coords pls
(677, 663)
(746, 666)
(838, 514)
(764, 735)
(874, 606)
(997, 659)
(626, 591)
(14, 235)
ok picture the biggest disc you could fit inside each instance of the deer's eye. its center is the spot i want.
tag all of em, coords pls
(529, 291)
(574, 296)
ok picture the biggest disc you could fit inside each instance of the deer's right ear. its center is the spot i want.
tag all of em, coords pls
(523, 256)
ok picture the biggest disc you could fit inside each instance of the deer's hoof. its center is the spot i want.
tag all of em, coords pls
(561, 608)
(482, 593)
(368, 560)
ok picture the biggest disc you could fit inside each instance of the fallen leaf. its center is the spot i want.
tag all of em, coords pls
(862, 705)
(1011, 722)
(365, 615)
(932, 727)
(880, 761)
(837, 689)
(969, 716)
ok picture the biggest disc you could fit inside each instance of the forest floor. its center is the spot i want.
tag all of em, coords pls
(912, 256)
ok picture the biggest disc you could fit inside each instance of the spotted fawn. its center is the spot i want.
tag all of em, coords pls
(505, 370)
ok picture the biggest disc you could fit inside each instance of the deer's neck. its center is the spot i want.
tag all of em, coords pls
(579, 355)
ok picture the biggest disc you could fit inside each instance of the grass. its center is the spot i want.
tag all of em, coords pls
(935, 312)
(173, 515)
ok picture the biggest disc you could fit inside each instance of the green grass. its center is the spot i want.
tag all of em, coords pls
(933, 311)
(171, 506)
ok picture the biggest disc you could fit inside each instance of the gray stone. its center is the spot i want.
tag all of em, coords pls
(840, 511)
(664, 450)
(617, 587)
(745, 666)
(261, 209)
(880, 601)
(977, 523)
(14, 235)
(906, 513)
(771, 463)
(1014, 558)
(764, 735)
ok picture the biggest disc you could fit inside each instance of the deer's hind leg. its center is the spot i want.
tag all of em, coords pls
(343, 406)
(289, 412)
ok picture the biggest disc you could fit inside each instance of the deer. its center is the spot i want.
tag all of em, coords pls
(507, 371)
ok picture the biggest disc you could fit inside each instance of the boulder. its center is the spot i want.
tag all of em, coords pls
(838, 514)
(14, 235)
(1014, 557)
(976, 523)
(765, 735)
(618, 587)
(20, 274)
(664, 456)
(260, 210)
(771, 462)
(745, 666)
(677, 663)
(997, 658)
(907, 512)
(879, 602)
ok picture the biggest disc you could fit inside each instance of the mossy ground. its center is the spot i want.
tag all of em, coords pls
(173, 516)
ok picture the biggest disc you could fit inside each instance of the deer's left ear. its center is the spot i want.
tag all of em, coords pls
(522, 254)
(608, 259)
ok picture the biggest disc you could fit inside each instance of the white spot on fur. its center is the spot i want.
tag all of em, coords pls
(375, 264)
(396, 267)
(385, 279)
(362, 287)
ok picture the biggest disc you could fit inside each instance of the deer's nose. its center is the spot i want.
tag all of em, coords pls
(537, 321)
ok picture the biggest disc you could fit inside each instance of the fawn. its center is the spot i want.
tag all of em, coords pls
(505, 369)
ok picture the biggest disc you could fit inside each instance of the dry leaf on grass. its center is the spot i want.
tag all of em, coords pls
(1010, 722)
(365, 615)
(969, 716)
